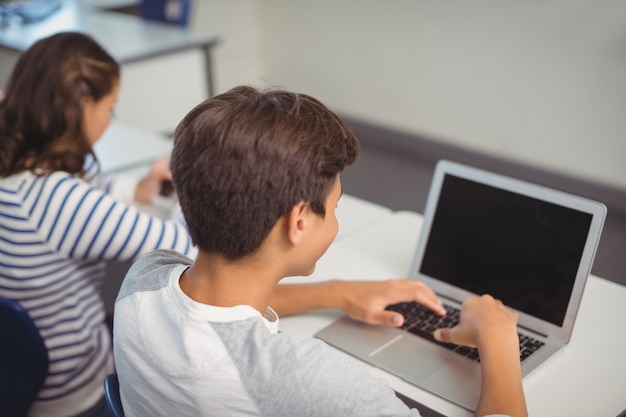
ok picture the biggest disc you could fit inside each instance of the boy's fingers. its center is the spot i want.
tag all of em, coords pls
(395, 319)
(386, 317)
(443, 335)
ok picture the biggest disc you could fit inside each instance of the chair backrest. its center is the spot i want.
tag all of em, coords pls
(175, 12)
(23, 359)
(112, 395)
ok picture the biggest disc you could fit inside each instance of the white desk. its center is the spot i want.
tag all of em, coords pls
(354, 214)
(587, 378)
(124, 148)
(166, 70)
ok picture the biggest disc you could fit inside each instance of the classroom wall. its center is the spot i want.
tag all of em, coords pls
(237, 59)
(537, 82)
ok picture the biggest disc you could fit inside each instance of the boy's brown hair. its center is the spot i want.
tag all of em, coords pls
(243, 159)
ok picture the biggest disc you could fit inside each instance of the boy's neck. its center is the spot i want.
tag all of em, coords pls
(216, 281)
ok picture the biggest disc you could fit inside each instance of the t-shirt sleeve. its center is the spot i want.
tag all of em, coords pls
(306, 376)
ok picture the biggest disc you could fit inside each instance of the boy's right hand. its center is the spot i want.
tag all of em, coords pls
(483, 321)
(486, 324)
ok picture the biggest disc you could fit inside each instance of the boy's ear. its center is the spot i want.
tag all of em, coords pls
(296, 222)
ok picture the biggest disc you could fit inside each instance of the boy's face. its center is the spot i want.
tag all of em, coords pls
(324, 229)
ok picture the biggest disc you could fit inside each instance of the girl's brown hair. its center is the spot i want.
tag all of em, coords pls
(41, 114)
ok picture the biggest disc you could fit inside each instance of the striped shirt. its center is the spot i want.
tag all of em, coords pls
(56, 234)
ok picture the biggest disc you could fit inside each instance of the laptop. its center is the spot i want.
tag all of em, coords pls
(483, 233)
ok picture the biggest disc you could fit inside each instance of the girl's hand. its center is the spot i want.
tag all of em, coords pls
(149, 187)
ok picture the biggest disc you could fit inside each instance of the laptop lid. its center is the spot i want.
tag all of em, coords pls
(528, 245)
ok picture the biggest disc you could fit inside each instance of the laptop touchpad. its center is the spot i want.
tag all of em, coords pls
(410, 358)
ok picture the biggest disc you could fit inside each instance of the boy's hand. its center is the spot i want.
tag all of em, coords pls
(483, 321)
(366, 300)
(486, 324)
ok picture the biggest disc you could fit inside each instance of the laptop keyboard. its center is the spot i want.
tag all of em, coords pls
(423, 322)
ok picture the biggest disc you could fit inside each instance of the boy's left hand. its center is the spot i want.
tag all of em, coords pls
(366, 300)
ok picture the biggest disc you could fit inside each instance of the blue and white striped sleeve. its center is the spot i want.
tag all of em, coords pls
(82, 221)
(120, 187)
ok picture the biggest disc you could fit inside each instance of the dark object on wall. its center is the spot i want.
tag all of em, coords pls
(175, 12)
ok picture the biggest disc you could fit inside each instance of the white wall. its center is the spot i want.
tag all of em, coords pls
(542, 82)
(237, 58)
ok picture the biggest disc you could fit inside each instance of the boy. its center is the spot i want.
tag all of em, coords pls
(257, 175)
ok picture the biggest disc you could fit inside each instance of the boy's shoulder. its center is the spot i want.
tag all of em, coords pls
(159, 258)
(152, 271)
(300, 374)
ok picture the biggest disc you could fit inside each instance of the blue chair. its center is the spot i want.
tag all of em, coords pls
(112, 395)
(175, 12)
(23, 359)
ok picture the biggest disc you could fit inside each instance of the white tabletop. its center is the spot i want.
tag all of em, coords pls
(354, 214)
(124, 147)
(587, 378)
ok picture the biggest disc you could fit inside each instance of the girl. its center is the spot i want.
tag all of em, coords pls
(57, 229)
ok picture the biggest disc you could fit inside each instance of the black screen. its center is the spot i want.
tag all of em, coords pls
(521, 250)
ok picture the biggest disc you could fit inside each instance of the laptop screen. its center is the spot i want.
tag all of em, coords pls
(519, 249)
